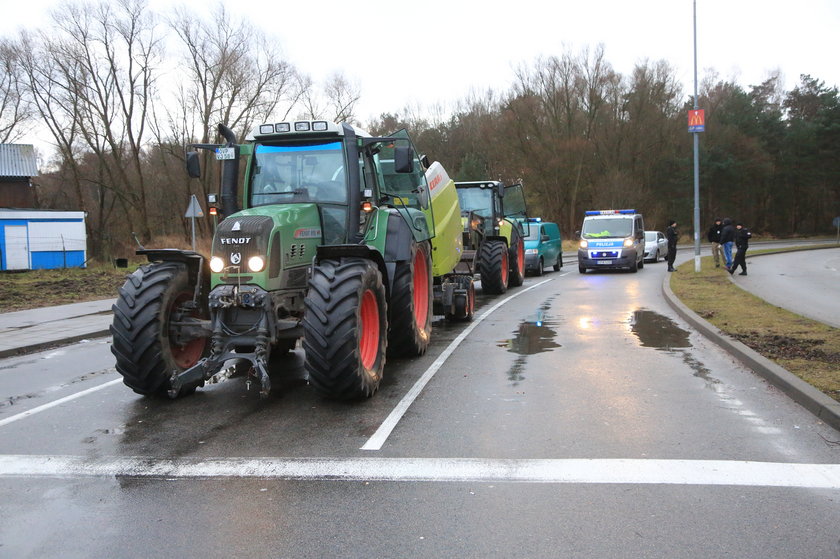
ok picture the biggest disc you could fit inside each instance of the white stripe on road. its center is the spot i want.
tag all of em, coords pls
(572, 471)
(378, 439)
(58, 402)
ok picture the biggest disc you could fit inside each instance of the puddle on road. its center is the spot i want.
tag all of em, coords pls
(533, 335)
(660, 332)
(655, 330)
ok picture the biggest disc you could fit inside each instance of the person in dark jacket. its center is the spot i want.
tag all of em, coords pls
(727, 237)
(714, 238)
(672, 235)
(742, 241)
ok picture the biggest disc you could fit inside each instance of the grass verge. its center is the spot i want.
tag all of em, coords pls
(32, 289)
(807, 348)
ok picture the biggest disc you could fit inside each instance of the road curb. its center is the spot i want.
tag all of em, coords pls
(24, 350)
(822, 406)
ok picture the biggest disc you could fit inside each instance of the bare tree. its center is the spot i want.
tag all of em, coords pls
(232, 74)
(15, 111)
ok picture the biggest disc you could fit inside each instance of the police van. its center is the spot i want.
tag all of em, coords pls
(612, 239)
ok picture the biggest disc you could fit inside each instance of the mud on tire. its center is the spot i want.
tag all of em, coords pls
(146, 356)
(493, 267)
(345, 328)
(410, 311)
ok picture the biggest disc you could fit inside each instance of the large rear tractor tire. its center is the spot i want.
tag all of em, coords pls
(517, 260)
(493, 267)
(143, 343)
(345, 326)
(410, 325)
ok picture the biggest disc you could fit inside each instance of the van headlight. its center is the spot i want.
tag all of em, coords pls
(584, 243)
(217, 264)
(256, 263)
(531, 251)
(628, 242)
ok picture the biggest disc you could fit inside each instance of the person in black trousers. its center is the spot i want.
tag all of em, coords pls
(671, 234)
(742, 242)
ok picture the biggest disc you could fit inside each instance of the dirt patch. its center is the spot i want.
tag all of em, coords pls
(786, 347)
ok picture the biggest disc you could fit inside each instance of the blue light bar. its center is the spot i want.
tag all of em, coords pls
(535, 219)
(609, 212)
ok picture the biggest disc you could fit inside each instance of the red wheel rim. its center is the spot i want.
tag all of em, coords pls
(505, 268)
(421, 289)
(520, 257)
(187, 355)
(369, 324)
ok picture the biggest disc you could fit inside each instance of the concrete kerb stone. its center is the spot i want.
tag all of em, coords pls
(821, 405)
(65, 340)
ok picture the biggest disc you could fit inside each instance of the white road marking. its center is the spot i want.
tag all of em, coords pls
(378, 439)
(58, 402)
(577, 471)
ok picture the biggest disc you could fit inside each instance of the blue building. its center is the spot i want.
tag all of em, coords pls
(34, 239)
(42, 239)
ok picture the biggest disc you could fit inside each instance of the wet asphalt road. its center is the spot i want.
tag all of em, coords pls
(588, 367)
(813, 276)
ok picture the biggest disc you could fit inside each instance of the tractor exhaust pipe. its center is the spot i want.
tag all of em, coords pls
(230, 174)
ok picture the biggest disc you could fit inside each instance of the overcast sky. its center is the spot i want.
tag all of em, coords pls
(437, 51)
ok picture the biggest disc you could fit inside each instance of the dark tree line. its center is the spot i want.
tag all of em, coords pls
(581, 136)
(122, 90)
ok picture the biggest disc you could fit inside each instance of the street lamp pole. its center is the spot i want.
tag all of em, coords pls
(696, 160)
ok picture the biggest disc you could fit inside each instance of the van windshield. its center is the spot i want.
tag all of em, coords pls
(602, 227)
(534, 233)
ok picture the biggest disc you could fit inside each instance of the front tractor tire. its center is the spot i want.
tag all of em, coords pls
(143, 342)
(517, 261)
(345, 326)
(410, 324)
(493, 267)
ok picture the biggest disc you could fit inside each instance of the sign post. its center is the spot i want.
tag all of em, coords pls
(836, 223)
(193, 211)
(696, 124)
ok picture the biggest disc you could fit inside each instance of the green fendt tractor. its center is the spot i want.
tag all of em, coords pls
(495, 225)
(347, 241)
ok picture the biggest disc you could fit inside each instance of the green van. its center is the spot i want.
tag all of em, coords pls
(543, 246)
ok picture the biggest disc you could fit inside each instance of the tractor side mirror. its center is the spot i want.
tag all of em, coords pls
(193, 165)
(403, 159)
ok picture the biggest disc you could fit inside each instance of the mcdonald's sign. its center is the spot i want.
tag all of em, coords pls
(696, 121)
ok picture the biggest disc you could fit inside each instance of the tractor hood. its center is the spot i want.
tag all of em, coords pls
(283, 236)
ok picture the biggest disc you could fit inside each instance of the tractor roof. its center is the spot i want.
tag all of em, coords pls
(300, 128)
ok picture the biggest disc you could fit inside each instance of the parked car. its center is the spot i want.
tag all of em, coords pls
(656, 246)
(543, 246)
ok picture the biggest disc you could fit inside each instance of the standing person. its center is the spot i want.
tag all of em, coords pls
(672, 234)
(727, 237)
(742, 241)
(714, 238)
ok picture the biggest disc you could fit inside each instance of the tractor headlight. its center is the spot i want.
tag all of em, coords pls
(217, 264)
(628, 242)
(256, 263)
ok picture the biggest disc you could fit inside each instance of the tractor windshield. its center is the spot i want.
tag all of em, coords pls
(478, 200)
(311, 171)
